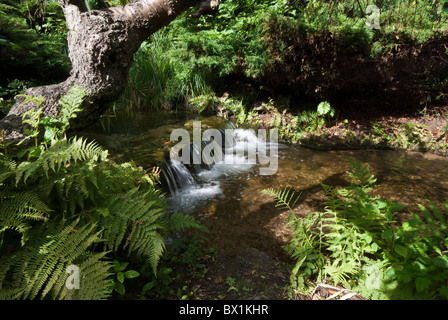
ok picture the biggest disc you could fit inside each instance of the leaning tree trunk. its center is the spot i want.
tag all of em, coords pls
(101, 45)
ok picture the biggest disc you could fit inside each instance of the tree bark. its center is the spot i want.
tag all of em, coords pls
(101, 45)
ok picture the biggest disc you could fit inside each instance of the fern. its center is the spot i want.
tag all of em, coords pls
(39, 268)
(361, 173)
(17, 210)
(70, 105)
(358, 230)
(340, 272)
(7, 167)
(32, 118)
(305, 242)
(60, 154)
(179, 221)
(284, 196)
(435, 222)
(307, 117)
(71, 205)
(95, 272)
(133, 222)
(335, 243)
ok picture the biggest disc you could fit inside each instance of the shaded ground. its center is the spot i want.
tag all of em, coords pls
(250, 276)
(424, 131)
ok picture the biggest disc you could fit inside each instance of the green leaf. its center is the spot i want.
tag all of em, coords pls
(404, 277)
(147, 287)
(120, 266)
(389, 216)
(50, 122)
(443, 291)
(422, 284)
(367, 238)
(390, 273)
(374, 247)
(381, 204)
(408, 226)
(119, 287)
(50, 133)
(395, 206)
(120, 277)
(130, 274)
(419, 268)
(310, 265)
(441, 262)
(35, 152)
(324, 108)
(387, 235)
(20, 154)
(402, 251)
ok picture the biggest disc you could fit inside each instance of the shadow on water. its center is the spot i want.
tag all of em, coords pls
(228, 200)
(246, 218)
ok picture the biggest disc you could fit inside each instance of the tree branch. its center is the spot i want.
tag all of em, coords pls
(101, 46)
(78, 3)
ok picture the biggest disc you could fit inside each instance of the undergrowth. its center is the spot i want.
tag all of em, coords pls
(252, 40)
(358, 242)
(65, 206)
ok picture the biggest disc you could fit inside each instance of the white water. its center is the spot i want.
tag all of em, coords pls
(239, 158)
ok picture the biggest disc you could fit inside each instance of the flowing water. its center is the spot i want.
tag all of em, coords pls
(227, 198)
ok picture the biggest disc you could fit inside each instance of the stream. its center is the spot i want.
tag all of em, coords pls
(227, 198)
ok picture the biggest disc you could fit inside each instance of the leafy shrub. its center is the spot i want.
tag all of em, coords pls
(190, 57)
(358, 233)
(159, 78)
(314, 120)
(28, 53)
(68, 204)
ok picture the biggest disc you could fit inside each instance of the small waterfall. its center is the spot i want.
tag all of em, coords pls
(179, 179)
(238, 145)
(175, 176)
(178, 176)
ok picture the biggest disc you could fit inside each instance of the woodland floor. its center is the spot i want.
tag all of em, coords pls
(250, 276)
(253, 275)
(425, 130)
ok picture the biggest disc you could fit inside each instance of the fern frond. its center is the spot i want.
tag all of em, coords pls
(71, 104)
(284, 196)
(18, 209)
(95, 278)
(179, 221)
(38, 269)
(340, 272)
(307, 116)
(133, 222)
(334, 203)
(361, 172)
(435, 222)
(301, 285)
(306, 243)
(7, 167)
(60, 154)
